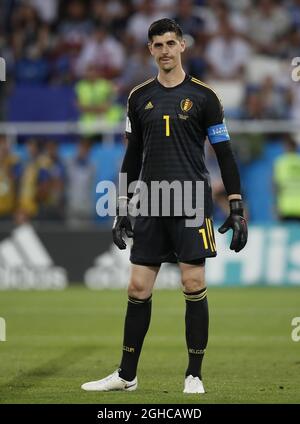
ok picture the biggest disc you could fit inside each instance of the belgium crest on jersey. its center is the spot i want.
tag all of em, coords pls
(186, 105)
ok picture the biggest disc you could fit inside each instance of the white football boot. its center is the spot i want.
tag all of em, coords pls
(193, 385)
(112, 382)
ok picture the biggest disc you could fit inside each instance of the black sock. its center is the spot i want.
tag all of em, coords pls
(136, 326)
(196, 329)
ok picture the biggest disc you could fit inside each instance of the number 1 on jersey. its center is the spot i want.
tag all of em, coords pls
(167, 119)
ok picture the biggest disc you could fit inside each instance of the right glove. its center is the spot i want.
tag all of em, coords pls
(121, 227)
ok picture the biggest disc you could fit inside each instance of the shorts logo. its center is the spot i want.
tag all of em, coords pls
(186, 105)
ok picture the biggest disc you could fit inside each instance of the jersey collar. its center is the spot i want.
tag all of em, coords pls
(187, 78)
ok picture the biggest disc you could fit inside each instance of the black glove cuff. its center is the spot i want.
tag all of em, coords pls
(236, 207)
(122, 203)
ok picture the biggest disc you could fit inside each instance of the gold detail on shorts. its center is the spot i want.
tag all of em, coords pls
(210, 233)
(202, 232)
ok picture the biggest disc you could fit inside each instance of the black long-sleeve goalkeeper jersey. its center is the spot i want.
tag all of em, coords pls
(166, 129)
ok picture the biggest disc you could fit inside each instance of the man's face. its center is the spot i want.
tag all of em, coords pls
(166, 50)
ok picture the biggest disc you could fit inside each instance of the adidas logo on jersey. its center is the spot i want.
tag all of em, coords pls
(149, 105)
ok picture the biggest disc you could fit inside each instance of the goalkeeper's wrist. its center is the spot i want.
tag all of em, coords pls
(236, 207)
(122, 205)
(122, 201)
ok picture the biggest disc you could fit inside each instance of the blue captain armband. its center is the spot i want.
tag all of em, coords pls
(217, 133)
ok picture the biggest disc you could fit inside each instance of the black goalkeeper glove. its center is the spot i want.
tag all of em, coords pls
(121, 227)
(238, 224)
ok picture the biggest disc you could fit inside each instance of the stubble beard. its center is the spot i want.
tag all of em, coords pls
(167, 68)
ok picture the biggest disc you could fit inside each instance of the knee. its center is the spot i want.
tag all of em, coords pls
(137, 289)
(193, 284)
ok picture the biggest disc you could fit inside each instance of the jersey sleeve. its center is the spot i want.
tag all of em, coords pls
(132, 161)
(214, 119)
(132, 125)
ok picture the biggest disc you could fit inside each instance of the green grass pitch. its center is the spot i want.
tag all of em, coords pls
(58, 340)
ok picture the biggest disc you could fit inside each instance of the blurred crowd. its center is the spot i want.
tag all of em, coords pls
(43, 186)
(102, 44)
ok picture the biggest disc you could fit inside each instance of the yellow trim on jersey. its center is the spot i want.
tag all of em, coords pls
(140, 86)
(196, 81)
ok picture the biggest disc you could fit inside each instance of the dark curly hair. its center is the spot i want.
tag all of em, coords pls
(162, 26)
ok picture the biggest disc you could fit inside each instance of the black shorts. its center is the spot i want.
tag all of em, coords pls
(167, 239)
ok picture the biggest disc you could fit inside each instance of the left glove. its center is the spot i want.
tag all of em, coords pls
(238, 224)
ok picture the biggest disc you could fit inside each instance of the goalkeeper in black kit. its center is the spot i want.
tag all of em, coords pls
(169, 118)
